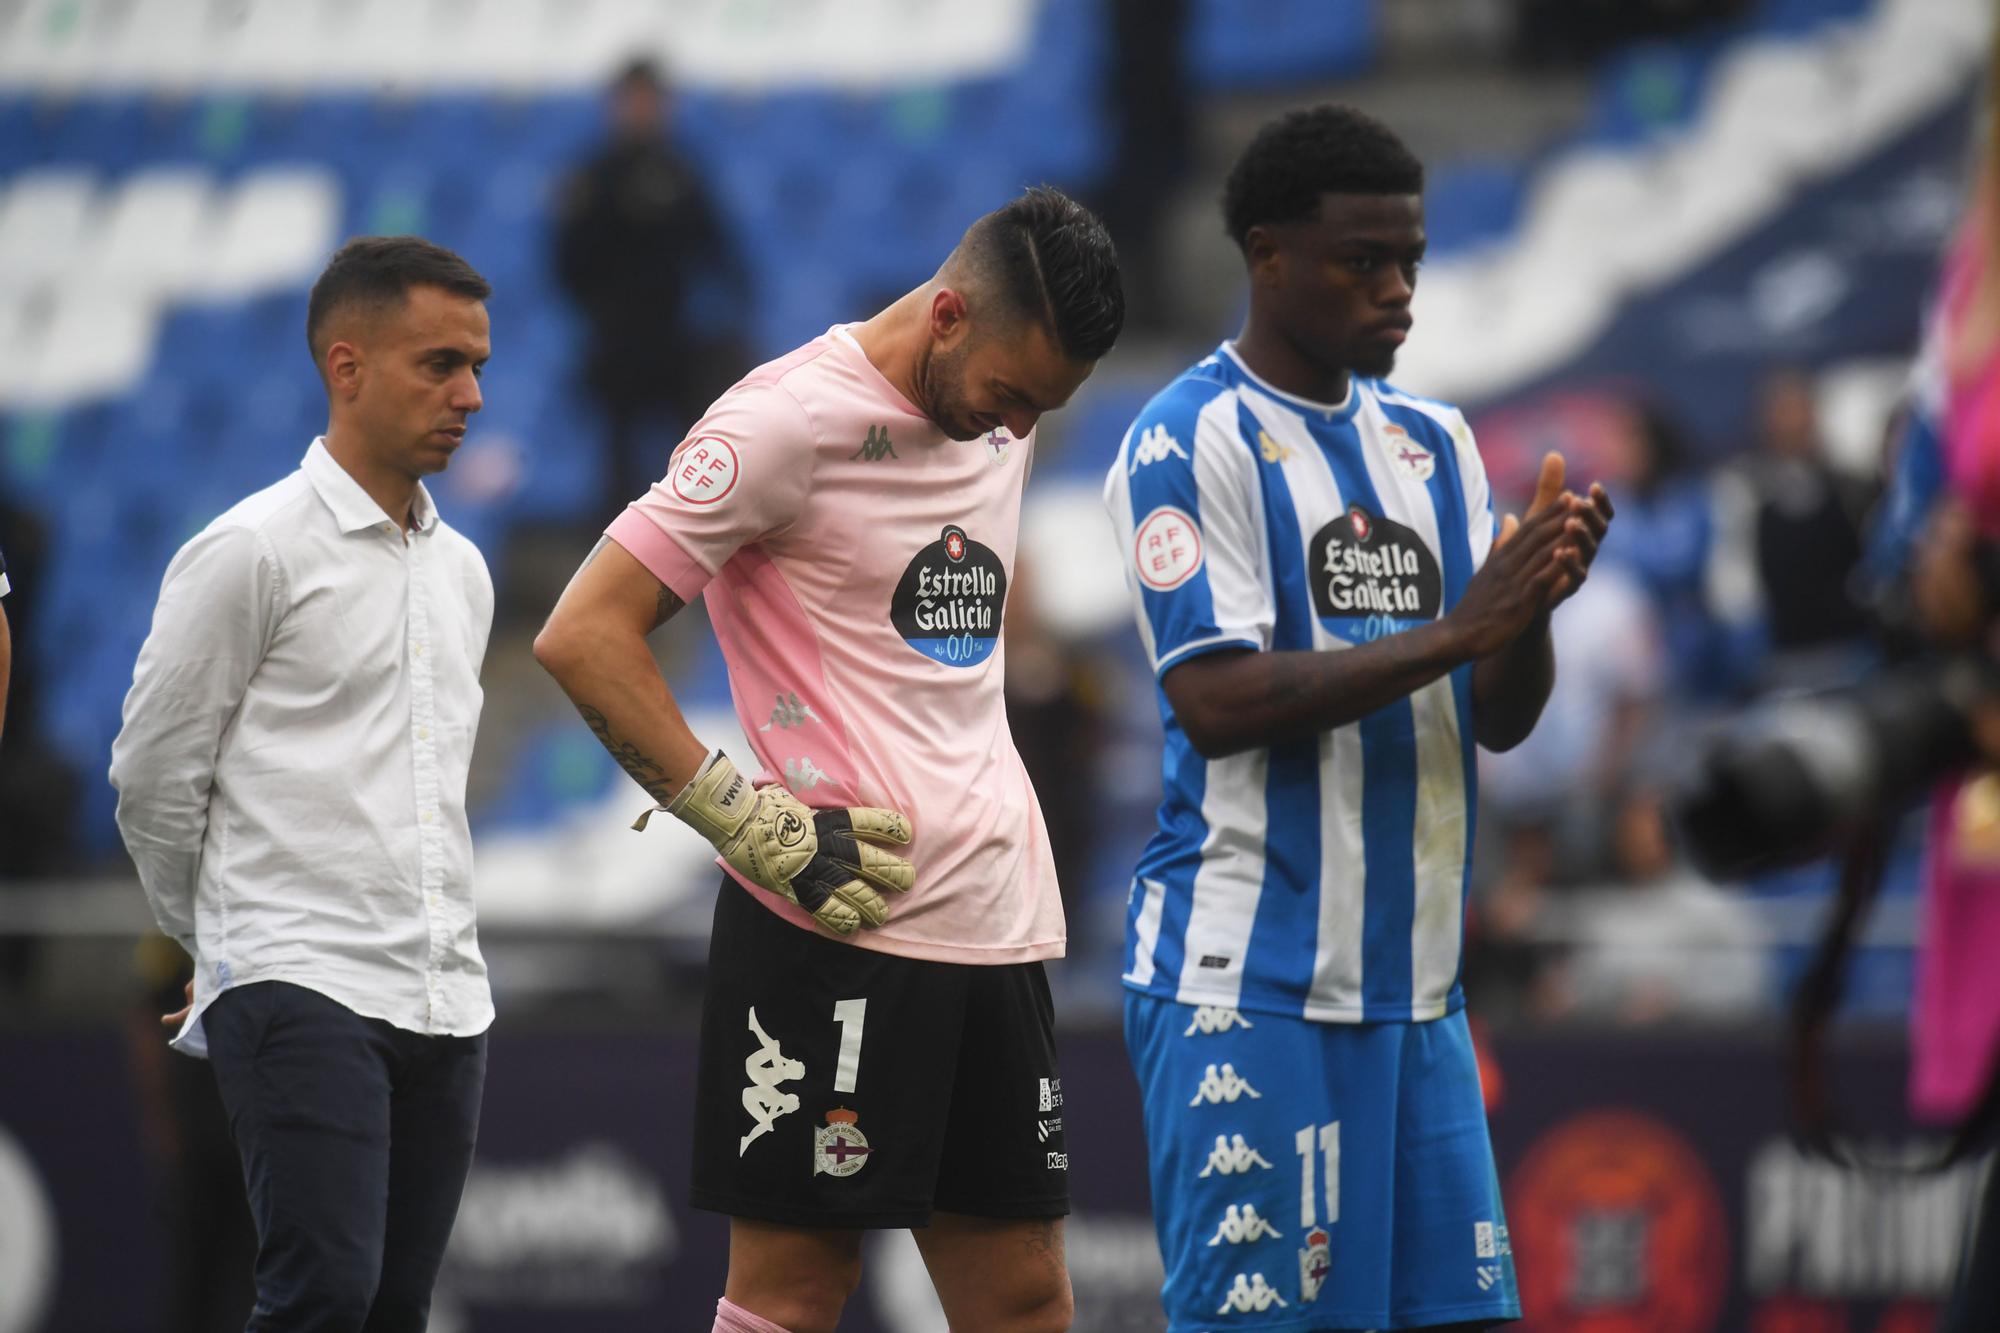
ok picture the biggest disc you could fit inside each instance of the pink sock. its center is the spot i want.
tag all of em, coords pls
(732, 1318)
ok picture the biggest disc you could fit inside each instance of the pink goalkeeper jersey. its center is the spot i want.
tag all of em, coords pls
(855, 563)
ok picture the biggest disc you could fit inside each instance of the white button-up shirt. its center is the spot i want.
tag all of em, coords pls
(291, 771)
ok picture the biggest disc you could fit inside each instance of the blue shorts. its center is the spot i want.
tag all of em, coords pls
(1319, 1175)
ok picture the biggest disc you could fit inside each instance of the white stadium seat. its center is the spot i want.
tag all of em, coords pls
(94, 343)
(275, 230)
(154, 234)
(46, 221)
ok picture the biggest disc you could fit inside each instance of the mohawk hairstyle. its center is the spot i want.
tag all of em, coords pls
(1049, 259)
(1325, 149)
(378, 272)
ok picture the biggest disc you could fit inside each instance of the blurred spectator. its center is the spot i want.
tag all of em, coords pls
(1549, 32)
(39, 792)
(1614, 670)
(1151, 111)
(1786, 516)
(1666, 534)
(644, 253)
(6, 643)
(1054, 713)
(1657, 941)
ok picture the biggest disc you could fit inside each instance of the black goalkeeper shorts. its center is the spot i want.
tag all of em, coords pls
(841, 1087)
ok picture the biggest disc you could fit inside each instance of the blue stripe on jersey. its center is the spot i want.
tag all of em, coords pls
(1284, 938)
(1388, 789)
(1187, 612)
(1447, 490)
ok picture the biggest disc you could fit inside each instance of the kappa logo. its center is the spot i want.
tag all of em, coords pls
(1154, 445)
(875, 447)
(1412, 457)
(1213, 1018)
(1231, 1156)
(1058, 1161)
(788, 712)
(1227, 1086)
(1250, 1295)
(1240, 1226)
(804, 774)
(767, 1068)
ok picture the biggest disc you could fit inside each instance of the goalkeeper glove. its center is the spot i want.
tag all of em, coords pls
(826, 861)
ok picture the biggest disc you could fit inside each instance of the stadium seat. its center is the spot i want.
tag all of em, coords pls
(273, 230)
(153, 224)
(46, 221)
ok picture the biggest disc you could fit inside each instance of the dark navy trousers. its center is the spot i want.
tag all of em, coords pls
(355, 1137)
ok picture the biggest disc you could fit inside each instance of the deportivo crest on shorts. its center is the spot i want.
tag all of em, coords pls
(841, 1148)
(1315, 1262)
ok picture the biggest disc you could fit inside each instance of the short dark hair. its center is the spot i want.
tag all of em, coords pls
(378, 272)
(1052, 260)
(1325, 149)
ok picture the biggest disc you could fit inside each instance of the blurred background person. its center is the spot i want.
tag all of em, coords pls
(643, 252)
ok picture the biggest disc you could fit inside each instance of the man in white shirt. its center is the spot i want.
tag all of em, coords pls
(291, 786)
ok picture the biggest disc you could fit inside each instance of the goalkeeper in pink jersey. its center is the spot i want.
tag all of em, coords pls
(877, 1041)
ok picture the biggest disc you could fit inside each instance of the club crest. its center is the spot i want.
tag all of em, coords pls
(840, 1149)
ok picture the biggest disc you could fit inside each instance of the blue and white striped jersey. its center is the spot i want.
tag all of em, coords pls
(1323, 877)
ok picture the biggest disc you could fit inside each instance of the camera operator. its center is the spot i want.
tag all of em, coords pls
(1825, 773)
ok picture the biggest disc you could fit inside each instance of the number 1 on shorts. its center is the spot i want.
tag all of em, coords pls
(852, 1015)
(1329, 1151)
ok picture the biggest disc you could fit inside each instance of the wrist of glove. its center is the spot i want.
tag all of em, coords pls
(833, 863)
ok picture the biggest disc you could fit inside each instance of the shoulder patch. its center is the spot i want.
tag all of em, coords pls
(1166, 549)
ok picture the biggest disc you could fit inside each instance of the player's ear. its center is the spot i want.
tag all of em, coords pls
(1260, 255)
(948, 316)
(342, 368)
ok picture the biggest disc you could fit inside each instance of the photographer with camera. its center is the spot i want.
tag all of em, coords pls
(1832, 772)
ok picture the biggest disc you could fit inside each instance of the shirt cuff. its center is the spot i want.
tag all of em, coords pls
(666, 559)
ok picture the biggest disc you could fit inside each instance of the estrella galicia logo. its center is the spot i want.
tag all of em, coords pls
(947, 605)
(1369, 569)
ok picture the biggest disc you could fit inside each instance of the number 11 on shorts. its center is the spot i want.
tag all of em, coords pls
(1329, 1153)
(852, 1015)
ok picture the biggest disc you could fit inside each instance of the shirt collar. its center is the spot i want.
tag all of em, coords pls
(1342, 409)
(353, 508)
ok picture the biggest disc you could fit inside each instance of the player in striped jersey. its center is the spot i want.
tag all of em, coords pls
(1334, 618)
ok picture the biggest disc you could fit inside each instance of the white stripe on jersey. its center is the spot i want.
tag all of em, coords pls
(1146, 931)
(1439, 853)
(1230, 880)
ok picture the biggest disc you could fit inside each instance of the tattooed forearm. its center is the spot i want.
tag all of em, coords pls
(668, 604)
(646, 772)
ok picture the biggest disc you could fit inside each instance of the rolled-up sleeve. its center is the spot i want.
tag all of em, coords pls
(219, 605)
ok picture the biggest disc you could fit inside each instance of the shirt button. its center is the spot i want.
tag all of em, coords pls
(430, 816)
(423, 733)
